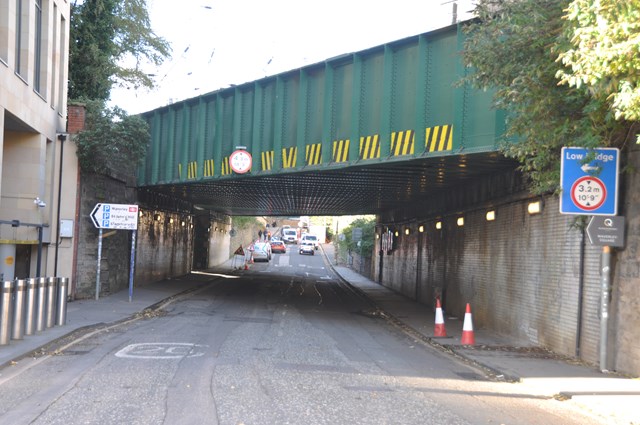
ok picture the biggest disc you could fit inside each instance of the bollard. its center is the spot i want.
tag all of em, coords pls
(5, 312)
(32, 305)
(19, 293)
(41, 303)
(63, 290)
(52, 286)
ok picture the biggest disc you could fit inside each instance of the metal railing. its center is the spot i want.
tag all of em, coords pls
(32, 305)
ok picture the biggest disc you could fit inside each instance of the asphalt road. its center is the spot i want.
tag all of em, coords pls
(285, 343)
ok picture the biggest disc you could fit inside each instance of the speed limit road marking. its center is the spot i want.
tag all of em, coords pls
(161, 350)
(588, 193)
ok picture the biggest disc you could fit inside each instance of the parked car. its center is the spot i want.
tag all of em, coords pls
(278, 246)
(311, 238)
(261, 251)
(307, 247)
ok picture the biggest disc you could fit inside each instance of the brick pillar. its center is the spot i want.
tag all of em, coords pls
(75, 118)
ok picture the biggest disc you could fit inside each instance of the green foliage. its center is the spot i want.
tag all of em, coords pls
(112, 140)
(605, 52)
(245, 222)
(368, 226)
(512, 48)
(110, 41)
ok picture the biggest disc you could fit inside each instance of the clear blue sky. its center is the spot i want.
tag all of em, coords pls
(217, 43)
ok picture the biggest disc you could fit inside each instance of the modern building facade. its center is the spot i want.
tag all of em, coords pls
(38, 171)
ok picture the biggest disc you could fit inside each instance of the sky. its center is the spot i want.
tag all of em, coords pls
(219, 43)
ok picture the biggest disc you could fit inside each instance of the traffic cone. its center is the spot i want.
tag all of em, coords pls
(439, 329)
(468, 337)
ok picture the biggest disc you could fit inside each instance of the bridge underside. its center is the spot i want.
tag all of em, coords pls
(379, 188)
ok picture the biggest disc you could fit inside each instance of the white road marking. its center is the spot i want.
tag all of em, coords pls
(160, 350)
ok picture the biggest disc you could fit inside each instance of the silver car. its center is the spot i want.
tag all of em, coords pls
(307, 248)
(261, 251)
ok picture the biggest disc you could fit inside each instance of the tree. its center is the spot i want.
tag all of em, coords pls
(111, 140)
(512, 47)
(110, 41)
(605, 52)
(367, 243)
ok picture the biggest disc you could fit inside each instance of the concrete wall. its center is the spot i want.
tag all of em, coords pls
(521, 273)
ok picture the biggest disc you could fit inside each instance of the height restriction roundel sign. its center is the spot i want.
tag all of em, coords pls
(588, 193)
(240, 161)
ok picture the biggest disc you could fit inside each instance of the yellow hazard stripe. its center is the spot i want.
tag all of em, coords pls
(439, 138)
(313, 154)
(266, 160)
(370, 147)
(402, 143)
(289, 156)
(225, 170)
(209, 167)
(192, 170)
(179, 171)
(340, 151)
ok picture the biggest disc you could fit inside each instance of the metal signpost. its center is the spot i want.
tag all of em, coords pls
(117, 217)
(589, 182)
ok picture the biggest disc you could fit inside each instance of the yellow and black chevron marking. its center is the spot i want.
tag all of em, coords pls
(370, 147)
(267, 160)
(209, 165)
(289, 156)
(402, 143)
(313, 154)
(192, 170)
(340, 151)
(439, 138)
(225, 170)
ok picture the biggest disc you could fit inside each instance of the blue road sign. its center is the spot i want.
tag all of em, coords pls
(589, 181)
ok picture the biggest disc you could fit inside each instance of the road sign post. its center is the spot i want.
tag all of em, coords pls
(589, 183)
(117, 217)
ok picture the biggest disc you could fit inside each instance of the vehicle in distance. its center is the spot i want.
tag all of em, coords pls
(307, 247)
(261, 251)
(290, 235)
(278, 246)
(311, 238)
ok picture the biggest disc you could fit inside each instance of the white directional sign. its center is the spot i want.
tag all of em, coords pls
(115, 216)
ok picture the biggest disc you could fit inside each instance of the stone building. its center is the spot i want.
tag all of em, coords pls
(38, 177)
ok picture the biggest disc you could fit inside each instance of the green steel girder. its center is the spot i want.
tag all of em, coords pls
(399, 103)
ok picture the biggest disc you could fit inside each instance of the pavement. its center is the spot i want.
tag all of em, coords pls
(608, 397)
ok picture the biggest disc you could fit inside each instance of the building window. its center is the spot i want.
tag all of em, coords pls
(62, 64)
(22, 37)
(37, 51)
(4, 30)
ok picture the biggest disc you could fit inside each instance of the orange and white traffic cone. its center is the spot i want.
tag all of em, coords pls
(468, 338)
(439, 330)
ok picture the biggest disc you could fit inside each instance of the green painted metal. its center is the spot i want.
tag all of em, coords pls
(398, 101)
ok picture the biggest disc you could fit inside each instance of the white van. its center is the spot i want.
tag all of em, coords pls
(311, 238)
(290, 235)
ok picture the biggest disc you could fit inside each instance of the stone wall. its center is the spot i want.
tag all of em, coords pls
(625, 306)
(116, 244)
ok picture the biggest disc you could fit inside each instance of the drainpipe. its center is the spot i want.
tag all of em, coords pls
(62, 138)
